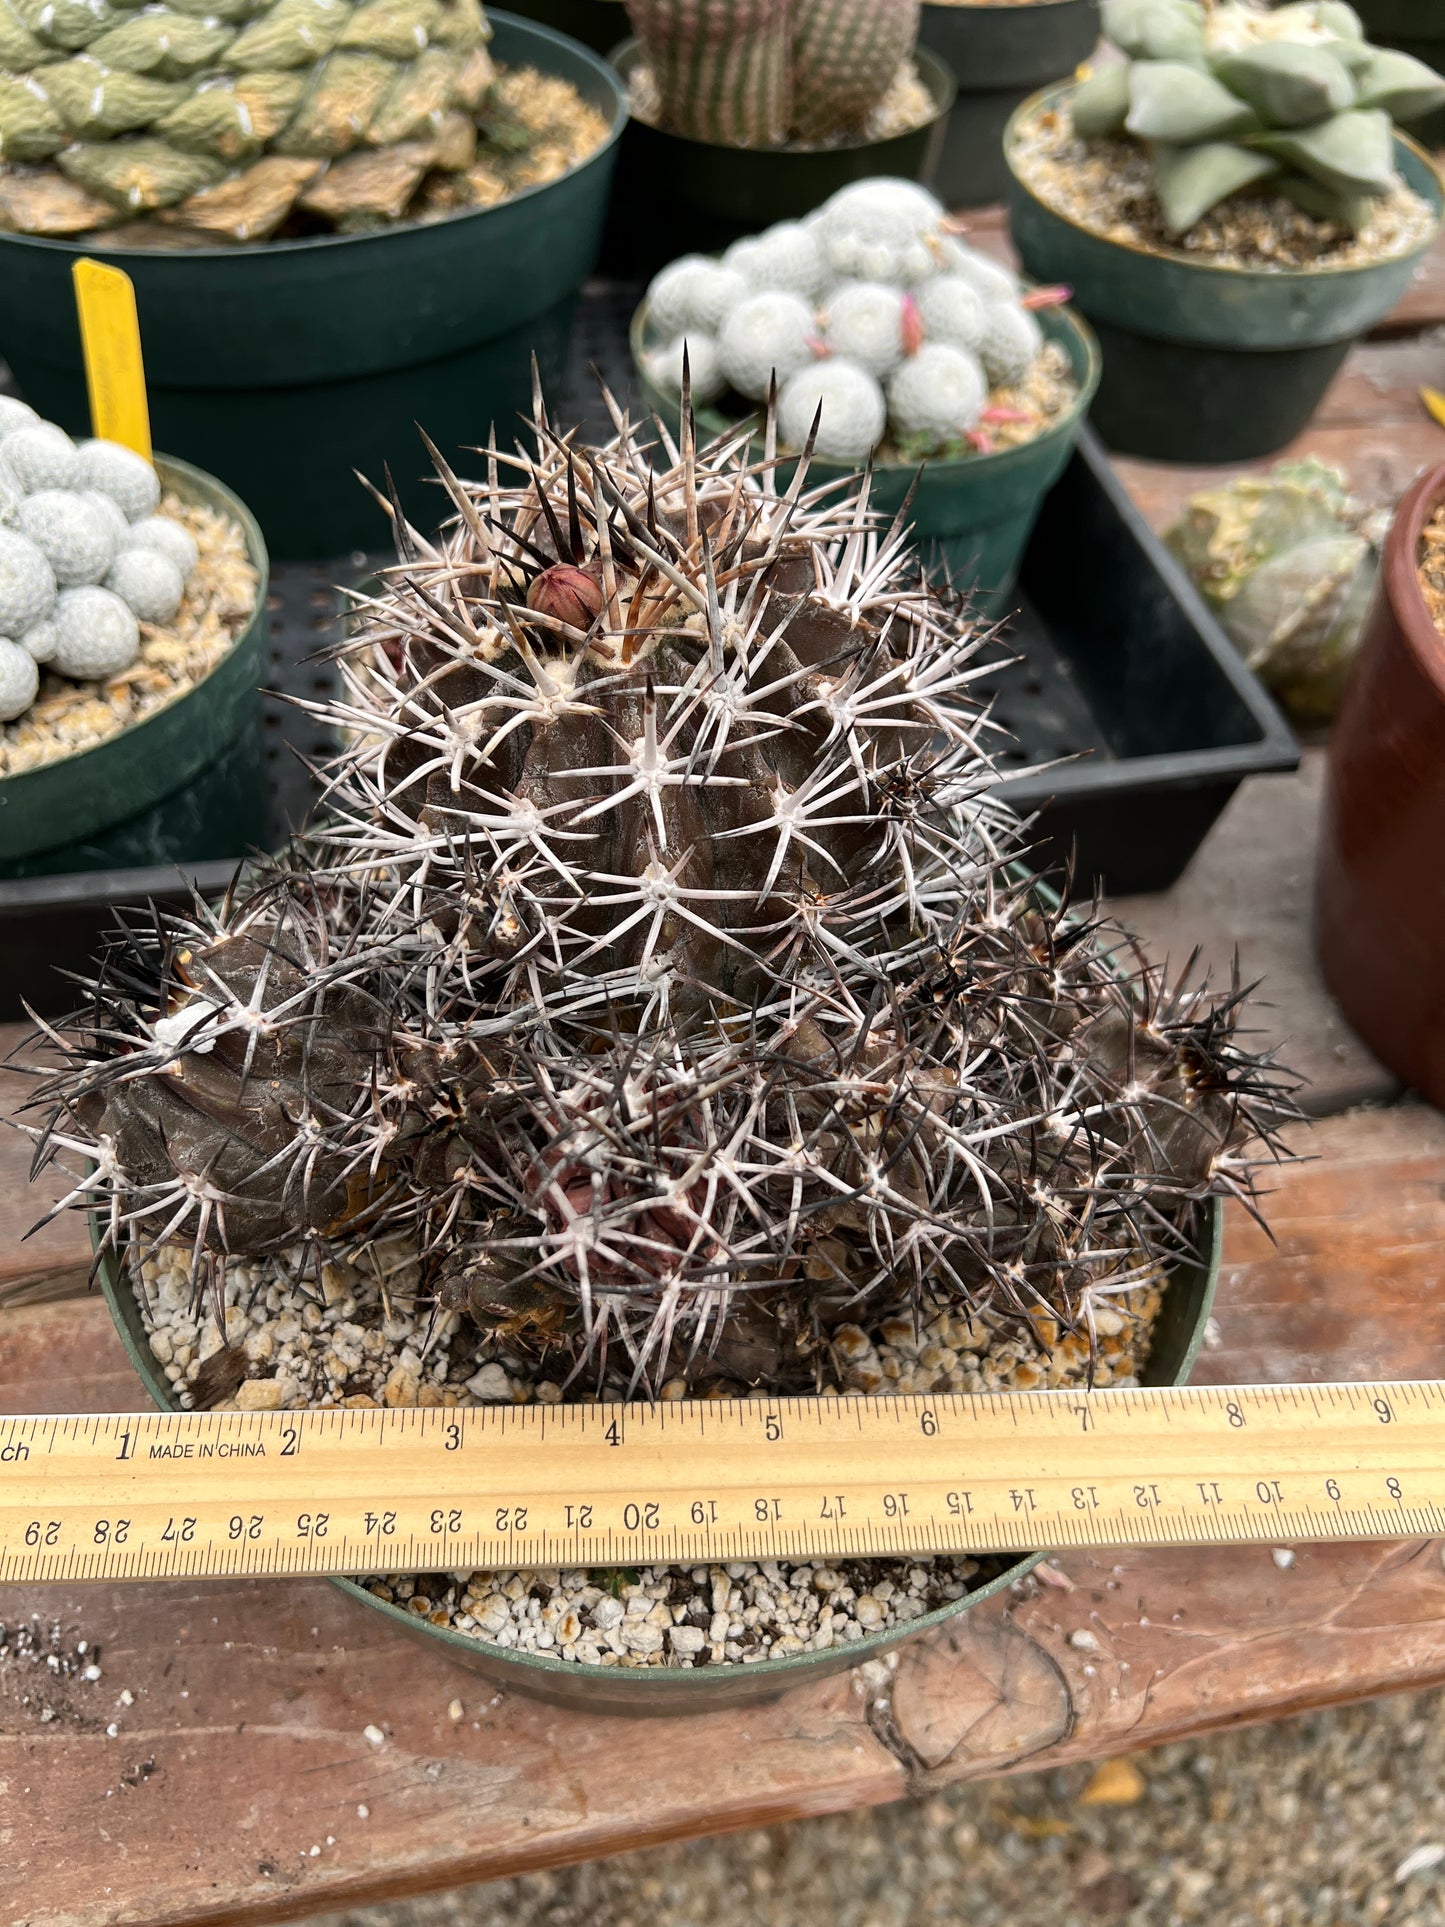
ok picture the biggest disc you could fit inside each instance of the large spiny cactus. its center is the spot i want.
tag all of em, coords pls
(750, 73)
(1232, 96)
(662, 968)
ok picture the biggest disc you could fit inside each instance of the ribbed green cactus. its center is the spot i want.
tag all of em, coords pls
(1230, 95)
(753, 73)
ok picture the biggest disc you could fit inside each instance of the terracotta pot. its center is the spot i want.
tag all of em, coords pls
(1380, 906)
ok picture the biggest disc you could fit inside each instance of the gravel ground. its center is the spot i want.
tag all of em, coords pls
(1328, 1821)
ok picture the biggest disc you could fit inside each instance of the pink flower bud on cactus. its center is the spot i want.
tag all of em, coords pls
(568, 594)
(1037, 298)
(910, 326)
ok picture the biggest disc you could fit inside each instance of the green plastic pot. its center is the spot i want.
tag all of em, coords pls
(971, 515)
(183, 783)
(679, 196)
(1204, 362)
(1416, 27)
(999, 55)
(1178, 1335)
(598, 24)
(289, 365)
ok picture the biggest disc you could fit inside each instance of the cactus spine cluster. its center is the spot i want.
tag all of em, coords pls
(757, 73)
(1230, 96)
(663, 969)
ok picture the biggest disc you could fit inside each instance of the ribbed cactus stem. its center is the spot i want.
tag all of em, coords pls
(846, 54)
(723, 68)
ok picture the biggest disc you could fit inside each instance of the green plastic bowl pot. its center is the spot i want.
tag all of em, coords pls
(288, 365)
(679, 196)
(1000, 55)
(1204, 362)
(107, 807)
(646, 1690)
(971, 515)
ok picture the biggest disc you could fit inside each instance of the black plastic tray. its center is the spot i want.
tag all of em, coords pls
(1121, 669)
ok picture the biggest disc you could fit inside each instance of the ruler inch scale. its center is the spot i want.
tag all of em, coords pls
(193, 1495)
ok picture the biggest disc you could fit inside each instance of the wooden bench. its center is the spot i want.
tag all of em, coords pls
(225, 1765)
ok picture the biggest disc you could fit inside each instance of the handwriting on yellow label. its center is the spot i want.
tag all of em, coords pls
(110, 342)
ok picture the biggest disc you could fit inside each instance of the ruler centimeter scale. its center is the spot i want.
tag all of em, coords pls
(205, 1494)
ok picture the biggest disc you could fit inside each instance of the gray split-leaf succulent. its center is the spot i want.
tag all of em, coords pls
(663, 968)
(1230, 96)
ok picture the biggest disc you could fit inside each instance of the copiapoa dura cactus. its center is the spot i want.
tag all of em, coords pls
(758, 73)
(1229, 96)
(226, 119)
(662, 968)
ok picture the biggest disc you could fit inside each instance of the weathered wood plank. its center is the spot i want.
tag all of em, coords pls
(243, 1744)
(1251, 887)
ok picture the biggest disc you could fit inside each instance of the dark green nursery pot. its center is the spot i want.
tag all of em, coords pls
(288, 365)
(184, 782)
(971, 515)
(680, 196)
(598, 24)
(999, 55)
(1205, 362)
(647, 1690)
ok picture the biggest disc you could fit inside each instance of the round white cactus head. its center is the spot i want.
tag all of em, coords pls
(787, 256)
(937, 396)
(664, 366)
(19, 680)
(41, 640)
(766, 334)
(148, 583)
(853, 412)
(1011, 342)
(14, 414)
(27, 584)
(951, 309)
(161, 532)
(119, 472)
(75, 538)
(97, 635)
(984, 275)
(863, 320)
(693, 292)
(881, 230)
(41, 456)
(114, 514)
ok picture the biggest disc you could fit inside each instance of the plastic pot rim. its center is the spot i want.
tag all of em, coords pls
(667, 1691)
(1180, 257)
(1400, 573)
(933, 70)
(96, 243)
(1065, 428)
(13, 789)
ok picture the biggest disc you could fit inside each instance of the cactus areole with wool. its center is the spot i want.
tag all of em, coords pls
(1232, 96)
(664, 967)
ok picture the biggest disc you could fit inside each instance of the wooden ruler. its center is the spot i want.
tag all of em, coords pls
(191, 1495)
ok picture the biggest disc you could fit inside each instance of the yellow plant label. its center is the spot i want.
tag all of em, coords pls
(110, 342)
(1434, 403)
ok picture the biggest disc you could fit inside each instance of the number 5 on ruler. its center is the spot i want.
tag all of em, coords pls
(110, 342)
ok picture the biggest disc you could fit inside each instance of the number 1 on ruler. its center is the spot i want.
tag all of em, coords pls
(110, 342)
